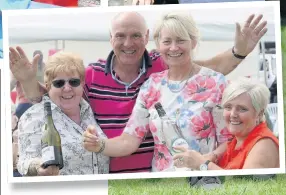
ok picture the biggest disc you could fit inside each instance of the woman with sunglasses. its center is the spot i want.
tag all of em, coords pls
(64, 79)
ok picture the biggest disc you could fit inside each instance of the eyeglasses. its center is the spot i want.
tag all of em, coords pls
(59, 83)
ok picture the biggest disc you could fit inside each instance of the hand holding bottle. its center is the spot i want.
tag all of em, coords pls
(172, 134)
(49, 171)
(188, 158)
(91, 141)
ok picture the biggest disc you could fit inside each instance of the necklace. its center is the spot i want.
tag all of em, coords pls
(178, 87)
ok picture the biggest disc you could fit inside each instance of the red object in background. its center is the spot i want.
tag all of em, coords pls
(64, 3)
(53, 51)
(13, 96)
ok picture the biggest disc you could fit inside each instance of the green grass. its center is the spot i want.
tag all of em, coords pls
(172, 186)
(232, 185)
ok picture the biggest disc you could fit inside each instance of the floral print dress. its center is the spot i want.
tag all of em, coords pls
(191, 109)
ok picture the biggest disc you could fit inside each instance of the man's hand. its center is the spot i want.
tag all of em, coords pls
(142, 2)
(247, 38)
(21, 68)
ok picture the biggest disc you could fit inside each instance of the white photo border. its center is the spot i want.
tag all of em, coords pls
(6, 98)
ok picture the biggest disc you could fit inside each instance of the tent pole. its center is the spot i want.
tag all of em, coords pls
(60, 44)
(56, 45)
(264, 63)
(63, 44)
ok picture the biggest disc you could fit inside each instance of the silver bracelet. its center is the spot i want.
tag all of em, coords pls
(102, 143)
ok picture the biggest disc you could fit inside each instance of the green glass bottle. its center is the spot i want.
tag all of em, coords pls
(51, 142)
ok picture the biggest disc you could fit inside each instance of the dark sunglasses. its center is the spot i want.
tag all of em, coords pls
(61, 82)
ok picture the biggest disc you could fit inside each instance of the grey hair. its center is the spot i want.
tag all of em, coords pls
(179, 24)
(124, 13)
(258, 92)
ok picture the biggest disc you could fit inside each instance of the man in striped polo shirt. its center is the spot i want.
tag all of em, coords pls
(112, 85)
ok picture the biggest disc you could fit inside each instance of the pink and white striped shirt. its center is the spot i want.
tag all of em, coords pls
(112, 104)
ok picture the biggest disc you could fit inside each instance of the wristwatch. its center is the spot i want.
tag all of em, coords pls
(204, 166)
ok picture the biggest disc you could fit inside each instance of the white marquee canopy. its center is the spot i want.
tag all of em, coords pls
(90, 25)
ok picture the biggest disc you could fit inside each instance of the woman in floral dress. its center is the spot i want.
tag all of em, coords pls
(187, 92)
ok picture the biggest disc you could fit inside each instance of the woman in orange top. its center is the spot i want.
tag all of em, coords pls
(253, 145)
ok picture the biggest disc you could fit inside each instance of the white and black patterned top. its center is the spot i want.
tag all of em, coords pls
(77, 160)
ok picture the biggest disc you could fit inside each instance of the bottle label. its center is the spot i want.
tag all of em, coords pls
(48, 153)
(179, 142)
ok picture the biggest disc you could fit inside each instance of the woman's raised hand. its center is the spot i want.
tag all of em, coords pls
(247, 37)
(21, 68)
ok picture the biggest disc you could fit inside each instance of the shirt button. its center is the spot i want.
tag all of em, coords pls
(94, 165)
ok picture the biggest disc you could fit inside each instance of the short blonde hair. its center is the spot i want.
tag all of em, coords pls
(63, 62)
(179, 24)
(258, 92)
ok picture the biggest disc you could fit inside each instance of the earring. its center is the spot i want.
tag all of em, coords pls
(258, 121)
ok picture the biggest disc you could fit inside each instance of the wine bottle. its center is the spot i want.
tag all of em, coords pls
(51, 142)
(172, 134)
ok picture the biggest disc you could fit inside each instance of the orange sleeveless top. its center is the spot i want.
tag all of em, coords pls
(235, 158)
